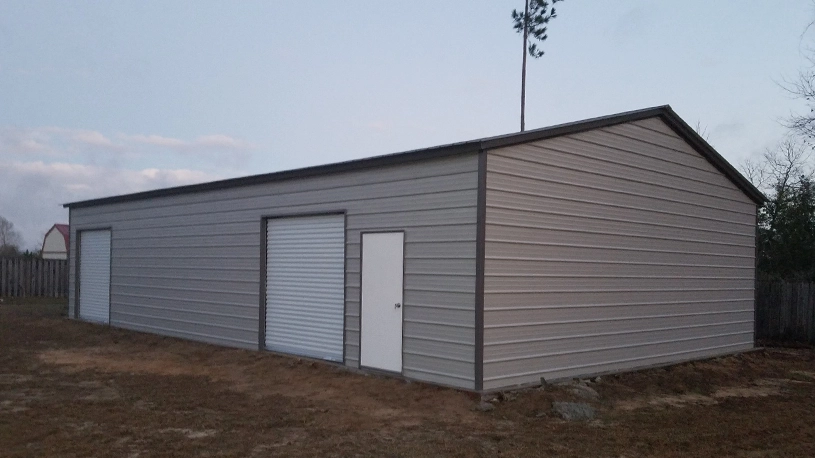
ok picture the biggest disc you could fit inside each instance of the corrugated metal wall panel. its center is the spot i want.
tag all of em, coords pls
(621, 147)
(193, 307)
(202, 330)
(94, 276)
(640, 133)
(189, 240)
(632, 294)
(305, 304)
(240, 285)
(585, 324)
(612, 249)
(548, 212)
(565, 200)
(187, 273)
(211, 241)
(561, 160)
(214, 230)
(543, 251)
(627, 238)
(407, 180)
(676, 199)
(423, 200)
(615, 359)
(575, 267)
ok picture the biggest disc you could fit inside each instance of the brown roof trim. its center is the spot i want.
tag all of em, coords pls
(664, 112)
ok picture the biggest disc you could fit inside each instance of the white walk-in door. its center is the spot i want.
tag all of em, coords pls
(94, 276)
(382, 277)
(305, 283)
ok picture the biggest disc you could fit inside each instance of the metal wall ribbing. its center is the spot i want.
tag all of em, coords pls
(610, 249)
(187, 265)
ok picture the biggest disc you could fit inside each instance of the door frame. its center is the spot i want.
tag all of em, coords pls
(404, 265)
(77, 271)
(264, 220)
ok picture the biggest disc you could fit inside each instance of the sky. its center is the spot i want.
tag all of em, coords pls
(99, 98)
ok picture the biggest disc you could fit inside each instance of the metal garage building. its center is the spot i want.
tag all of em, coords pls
(597, 246)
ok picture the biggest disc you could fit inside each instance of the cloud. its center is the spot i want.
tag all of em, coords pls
(44, 167)
(729, 128)
(221, 142)
(379, 126)
(23, 141)
(633, 24)
(89, 181)
(32, 192)
(203, 143)
(155, 140)
(54, 142)
(92, 138)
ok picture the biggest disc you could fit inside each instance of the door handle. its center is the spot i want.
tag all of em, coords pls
(397, 305)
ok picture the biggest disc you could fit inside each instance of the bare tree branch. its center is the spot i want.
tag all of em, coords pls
(756, 173)
(702, 131)
(10, 239)
(781, 166)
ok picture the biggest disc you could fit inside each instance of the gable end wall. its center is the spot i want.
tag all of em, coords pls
(612, 249)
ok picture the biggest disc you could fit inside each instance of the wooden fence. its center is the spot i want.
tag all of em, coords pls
(785, 311)
(21, 277)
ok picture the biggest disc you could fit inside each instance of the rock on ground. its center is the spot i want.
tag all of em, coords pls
(485, 406)
(584, 392)
(574, 411)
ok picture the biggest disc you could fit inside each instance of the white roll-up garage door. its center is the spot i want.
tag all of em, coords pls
(305, 282)
(94, 276)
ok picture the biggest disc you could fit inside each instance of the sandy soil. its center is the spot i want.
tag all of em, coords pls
(74, 389)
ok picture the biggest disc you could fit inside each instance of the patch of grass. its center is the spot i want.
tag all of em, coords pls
(39, 306)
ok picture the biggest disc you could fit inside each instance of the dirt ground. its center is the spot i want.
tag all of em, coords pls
(69, 388)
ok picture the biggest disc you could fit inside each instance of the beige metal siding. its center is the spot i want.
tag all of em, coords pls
(53, 247)
(612, 249)
(188, 265)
